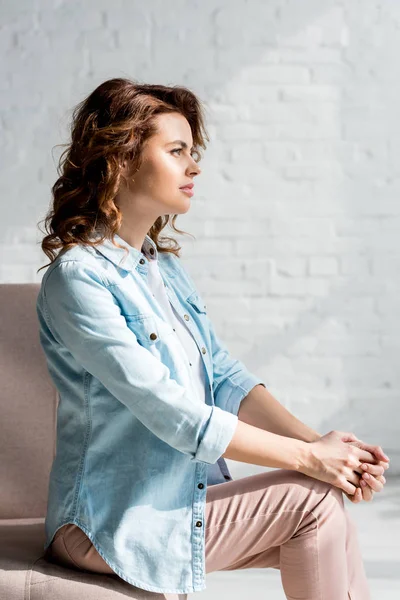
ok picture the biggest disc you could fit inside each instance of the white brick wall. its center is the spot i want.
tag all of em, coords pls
(297, 212)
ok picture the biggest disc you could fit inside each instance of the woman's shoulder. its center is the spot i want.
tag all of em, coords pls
(76, 259)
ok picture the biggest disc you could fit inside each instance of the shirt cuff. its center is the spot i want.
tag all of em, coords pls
(217, 436)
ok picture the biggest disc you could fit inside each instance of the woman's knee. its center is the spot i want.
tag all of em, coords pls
(320, 490)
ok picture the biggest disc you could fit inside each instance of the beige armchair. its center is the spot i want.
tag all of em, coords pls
(28, 404)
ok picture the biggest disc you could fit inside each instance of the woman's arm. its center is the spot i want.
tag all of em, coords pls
(260, 409)
(83, 316)
(253, 445)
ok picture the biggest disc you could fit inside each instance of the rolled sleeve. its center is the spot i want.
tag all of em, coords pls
(217, 437)
(83, 315)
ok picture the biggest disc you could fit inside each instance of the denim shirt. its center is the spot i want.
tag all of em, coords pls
(133, 446)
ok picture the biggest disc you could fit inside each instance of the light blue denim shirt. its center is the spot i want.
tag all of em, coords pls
(133, 447)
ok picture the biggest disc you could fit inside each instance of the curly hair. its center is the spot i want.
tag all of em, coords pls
(111, 124)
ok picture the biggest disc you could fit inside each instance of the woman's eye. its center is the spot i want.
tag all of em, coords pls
(180, 150)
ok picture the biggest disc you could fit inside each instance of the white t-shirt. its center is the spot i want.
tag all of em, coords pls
(195, 381)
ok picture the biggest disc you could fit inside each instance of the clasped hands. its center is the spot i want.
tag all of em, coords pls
(371, 478)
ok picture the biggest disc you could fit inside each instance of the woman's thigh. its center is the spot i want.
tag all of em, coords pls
(249, 519)
(246, 522)
(72, 548)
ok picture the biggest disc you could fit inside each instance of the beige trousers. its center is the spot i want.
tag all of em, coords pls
(279, 519)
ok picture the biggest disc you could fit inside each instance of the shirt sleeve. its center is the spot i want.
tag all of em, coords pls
(232, 381)
(84, 316)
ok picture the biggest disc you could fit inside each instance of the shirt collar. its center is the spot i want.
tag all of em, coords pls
(118, 256)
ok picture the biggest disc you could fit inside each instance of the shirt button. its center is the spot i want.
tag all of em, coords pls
(203, 350)
(199, 523)
(142, 261)
(151, 250)
(226, 476)
(186, 317)
(200, 486)
(153, 336)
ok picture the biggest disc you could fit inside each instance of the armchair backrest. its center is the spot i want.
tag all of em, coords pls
(28, 406)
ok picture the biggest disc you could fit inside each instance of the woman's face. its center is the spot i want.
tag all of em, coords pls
(166, 167)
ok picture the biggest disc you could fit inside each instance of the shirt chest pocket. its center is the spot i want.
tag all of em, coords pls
(199, 314)
(151, 332)
(159, 338)
(197, 303)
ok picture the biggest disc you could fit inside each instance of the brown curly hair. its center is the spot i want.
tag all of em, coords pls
(111, 124)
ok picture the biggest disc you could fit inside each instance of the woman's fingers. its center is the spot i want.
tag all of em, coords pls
(367, 492)
(366, 489)
(373, 469)
(364, 455)
(375, 483)
(356, 497)
(375, 450)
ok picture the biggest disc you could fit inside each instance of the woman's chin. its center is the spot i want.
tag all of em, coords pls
(183, 206)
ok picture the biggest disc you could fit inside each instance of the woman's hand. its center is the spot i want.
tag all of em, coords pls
(372, 479)
(331, 458)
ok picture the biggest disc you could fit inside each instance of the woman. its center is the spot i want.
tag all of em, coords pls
(151, 402)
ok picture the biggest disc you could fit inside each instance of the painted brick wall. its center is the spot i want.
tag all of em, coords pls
(297, 211)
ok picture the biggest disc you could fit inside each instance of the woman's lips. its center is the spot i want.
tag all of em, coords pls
(187, 190)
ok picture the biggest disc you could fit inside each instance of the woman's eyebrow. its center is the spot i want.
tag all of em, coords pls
(184, 144)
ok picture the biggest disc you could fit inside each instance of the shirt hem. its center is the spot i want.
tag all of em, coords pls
(190, 589)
